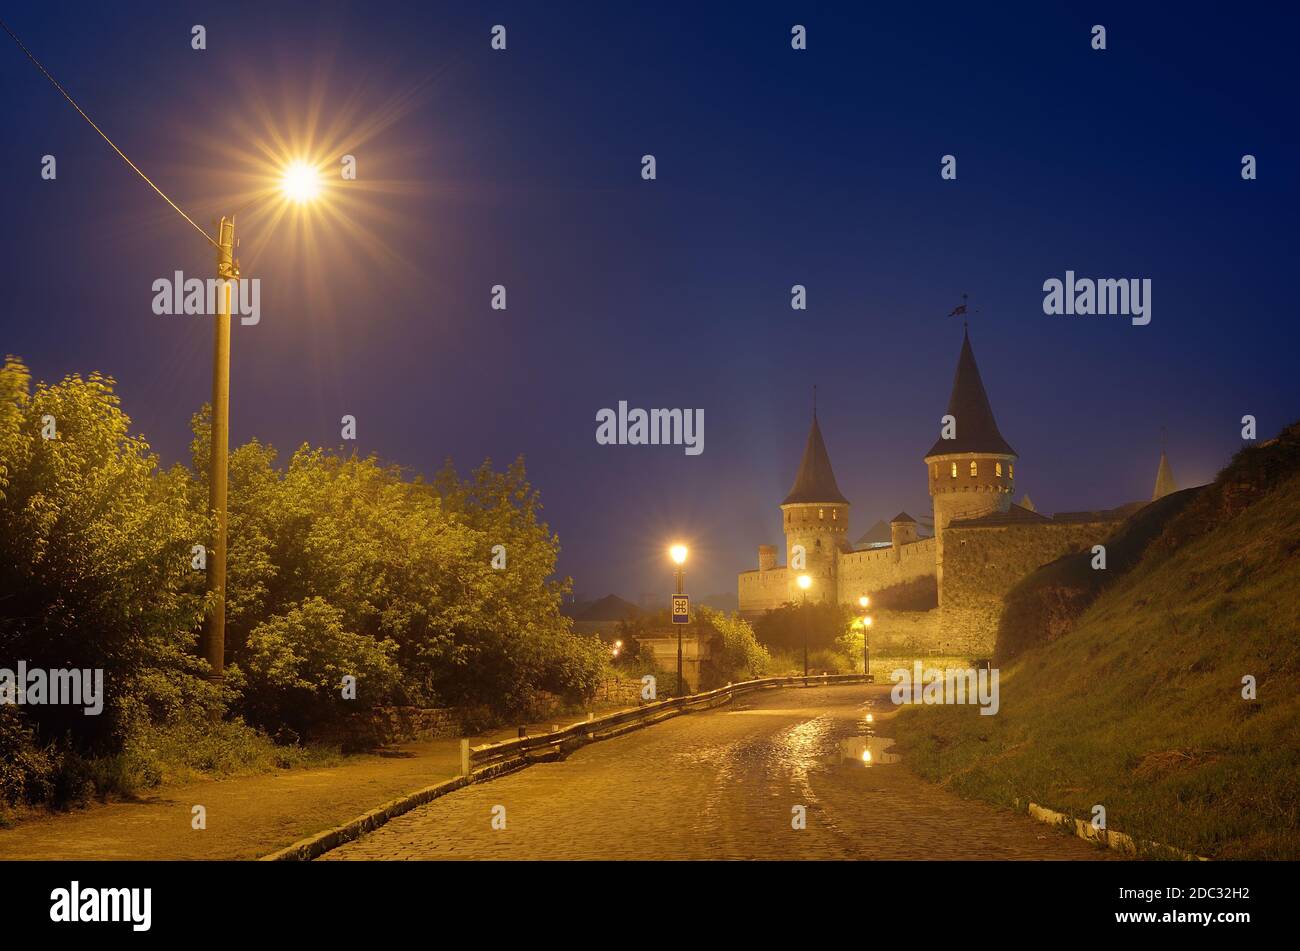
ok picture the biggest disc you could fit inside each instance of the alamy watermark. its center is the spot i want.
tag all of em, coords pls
(37, 686)
(1122, 297)
(656, 427)
(199, 297)
(951, 685)
(76, 904)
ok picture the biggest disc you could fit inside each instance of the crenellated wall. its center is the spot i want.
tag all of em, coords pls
(762, 590)
(863, 572)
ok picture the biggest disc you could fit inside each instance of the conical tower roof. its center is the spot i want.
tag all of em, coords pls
(977, 430)
(815, 481)
(1165, 483)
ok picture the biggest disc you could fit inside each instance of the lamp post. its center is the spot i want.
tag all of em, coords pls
(214, 623)
(805, 582)
(300, 183)
(678, 554)
(864, 602)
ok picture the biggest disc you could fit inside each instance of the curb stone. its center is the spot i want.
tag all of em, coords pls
(1107, 838)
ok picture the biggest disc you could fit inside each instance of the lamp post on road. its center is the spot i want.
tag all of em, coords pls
(864, 602)
(678, 554)
(214, 623)
(805, 582)
(300, 183)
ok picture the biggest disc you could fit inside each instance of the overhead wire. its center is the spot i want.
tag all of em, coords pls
(111, 143)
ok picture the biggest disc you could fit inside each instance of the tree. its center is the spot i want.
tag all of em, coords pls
(95, 549)
(783, 629)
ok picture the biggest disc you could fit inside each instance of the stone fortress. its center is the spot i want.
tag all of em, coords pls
(982, 543)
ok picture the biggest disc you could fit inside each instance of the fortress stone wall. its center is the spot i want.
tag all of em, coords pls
(865, 572)
(982, 564)
(763, 590)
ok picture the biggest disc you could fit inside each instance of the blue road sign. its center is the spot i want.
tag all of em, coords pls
(681, 609)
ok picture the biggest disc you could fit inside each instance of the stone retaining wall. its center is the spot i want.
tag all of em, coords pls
(383, 725)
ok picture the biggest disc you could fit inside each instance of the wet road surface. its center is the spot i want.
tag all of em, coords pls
(723, 784)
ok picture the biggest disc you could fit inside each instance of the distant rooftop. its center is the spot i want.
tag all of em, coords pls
(1019, 515)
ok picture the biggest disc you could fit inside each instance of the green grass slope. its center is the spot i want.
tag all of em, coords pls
(1139, 707)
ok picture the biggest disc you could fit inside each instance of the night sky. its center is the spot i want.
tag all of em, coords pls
(775, 167)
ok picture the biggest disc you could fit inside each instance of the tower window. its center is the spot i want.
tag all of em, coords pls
(835, 514)
(1011, 469)
(821, 514)
(997, 468)
(954, 470)
(974, 469)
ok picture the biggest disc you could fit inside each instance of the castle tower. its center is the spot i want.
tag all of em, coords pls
(902, 531)
(1165, 483)
(972, 474)
(816, 517)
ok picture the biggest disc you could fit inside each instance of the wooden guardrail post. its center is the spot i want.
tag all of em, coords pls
(464, 757)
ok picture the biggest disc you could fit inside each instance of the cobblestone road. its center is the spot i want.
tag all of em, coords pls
(722, 784)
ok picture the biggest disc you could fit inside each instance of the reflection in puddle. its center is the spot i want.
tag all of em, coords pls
(867, 750)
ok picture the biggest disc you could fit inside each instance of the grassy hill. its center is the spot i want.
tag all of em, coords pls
(1138, 706)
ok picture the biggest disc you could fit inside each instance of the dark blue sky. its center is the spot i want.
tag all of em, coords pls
(775, 167)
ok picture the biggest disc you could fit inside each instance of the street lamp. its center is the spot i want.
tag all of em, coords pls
(300, 182)
(805, 582)
(678, 554)
(864, 602)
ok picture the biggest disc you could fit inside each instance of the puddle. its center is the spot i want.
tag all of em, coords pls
(867, 750)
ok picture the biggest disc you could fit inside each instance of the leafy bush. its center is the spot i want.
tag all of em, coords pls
(295, 664)
(27, 771)
(737, 654)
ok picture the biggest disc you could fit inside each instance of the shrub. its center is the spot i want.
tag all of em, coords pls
(737, 654)
(295, 665)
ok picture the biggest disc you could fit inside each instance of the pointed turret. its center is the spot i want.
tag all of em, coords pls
(977, 430)
(1165, 483)
(816, 519)
(815, 481)
(974, 473)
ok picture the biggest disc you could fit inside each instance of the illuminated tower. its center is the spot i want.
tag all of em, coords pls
(816, 517)
(972, 474)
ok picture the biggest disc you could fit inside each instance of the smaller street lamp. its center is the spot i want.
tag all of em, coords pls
(864, 602)
(805, 582)
(678, 554)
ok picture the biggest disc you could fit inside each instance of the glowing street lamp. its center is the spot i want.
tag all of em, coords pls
(300, 182)
(864, 602)
(678, 554)
(805, 582)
